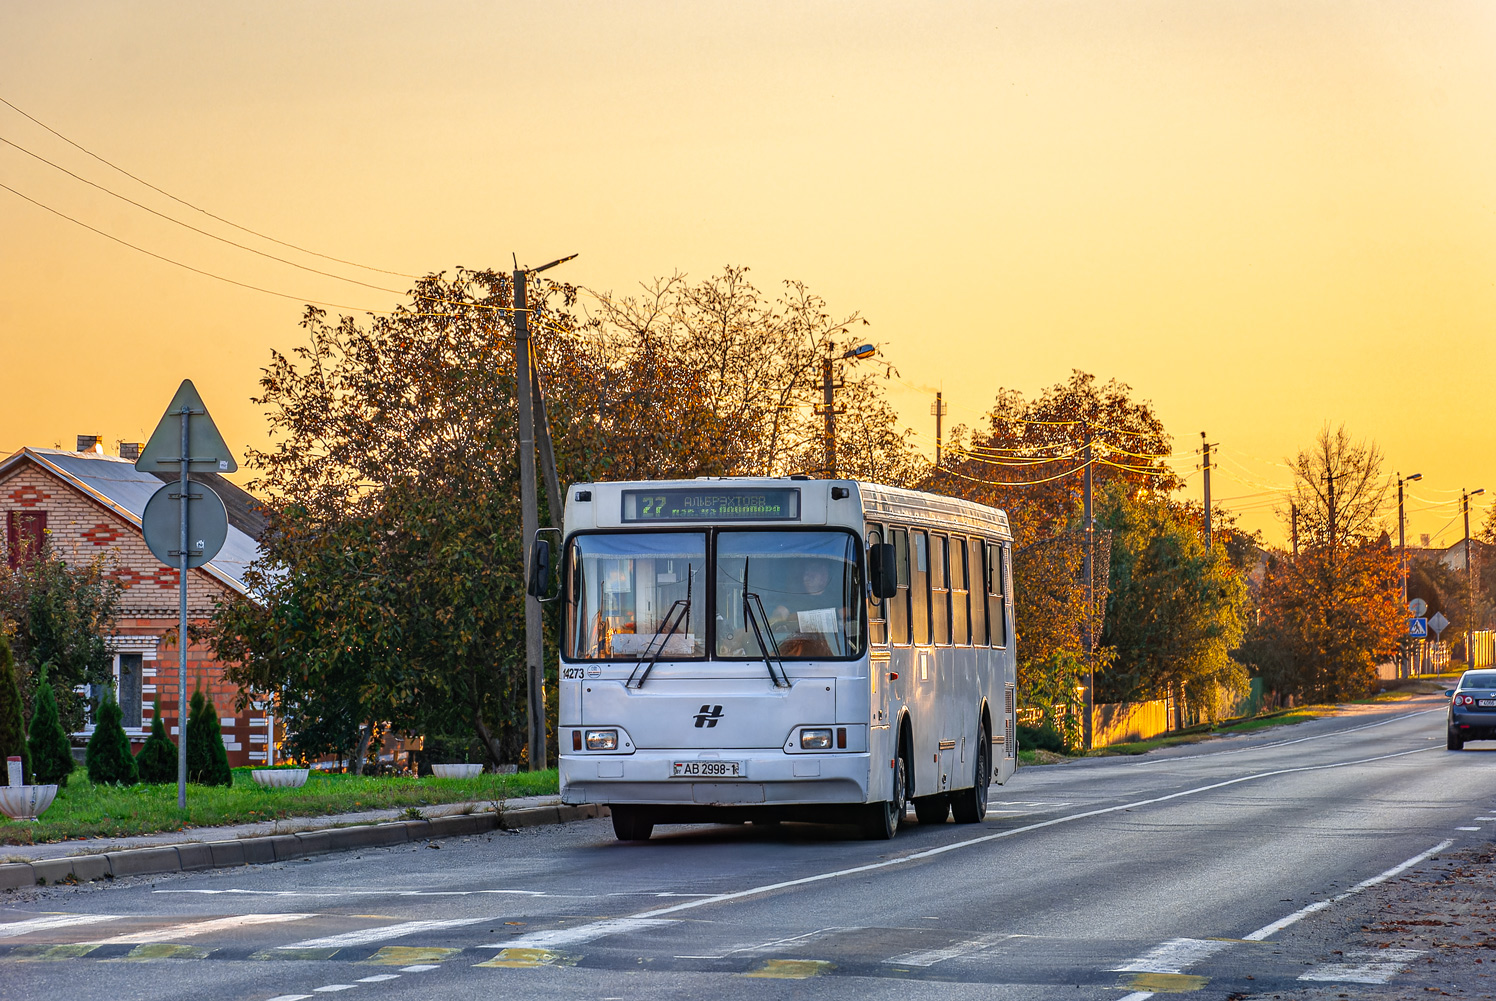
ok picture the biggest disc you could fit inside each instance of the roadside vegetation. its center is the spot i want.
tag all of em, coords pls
(86, 810)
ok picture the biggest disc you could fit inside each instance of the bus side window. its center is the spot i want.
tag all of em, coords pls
(877, 611)
(960, 585)
(940, 589)
(898, 605)
(919, 589)
(996, 614)
(978, 592)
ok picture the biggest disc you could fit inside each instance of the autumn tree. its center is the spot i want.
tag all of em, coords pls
(58, 614)
(1332, 612)
(1175, 607)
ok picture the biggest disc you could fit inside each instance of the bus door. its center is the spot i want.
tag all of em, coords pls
(948, 690)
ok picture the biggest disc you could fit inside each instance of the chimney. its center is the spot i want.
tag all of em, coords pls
(91, 443)
(130, 449)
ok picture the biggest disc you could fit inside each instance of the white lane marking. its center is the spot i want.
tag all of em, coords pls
(1376, 967)
(290, 997)
(382, 893)
(1173, 956)
(1136, 996)
(329, 988)
(929, 957)
(1467, 828)
(383, 932)
(1284, 743)
(578, 934)
(419, 968)
(192, 929)
(1485, 818)
(379, 978)
(1365, 884)
(30, 925)
(1013, 832)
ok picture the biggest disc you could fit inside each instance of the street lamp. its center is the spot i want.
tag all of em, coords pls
(1469, 577)
(1402, 559)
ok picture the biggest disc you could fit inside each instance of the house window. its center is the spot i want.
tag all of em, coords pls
(24, 532)
(128, 673)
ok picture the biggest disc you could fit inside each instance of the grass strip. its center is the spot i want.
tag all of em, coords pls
(85, 810)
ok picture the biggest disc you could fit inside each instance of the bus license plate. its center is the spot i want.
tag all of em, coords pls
(713, 769)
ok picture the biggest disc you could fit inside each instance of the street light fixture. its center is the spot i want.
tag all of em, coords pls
(1469, 577)
(1402, 554)
(828, 398)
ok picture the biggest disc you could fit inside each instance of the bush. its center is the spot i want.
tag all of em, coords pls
(157, 760)
(207, 760)
(109, 759)
(12, 718)
(51, 751)
(1043, 738)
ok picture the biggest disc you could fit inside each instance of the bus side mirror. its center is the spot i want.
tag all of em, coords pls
(882, 573)
(540, 570)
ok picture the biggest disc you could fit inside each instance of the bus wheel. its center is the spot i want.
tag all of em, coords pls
(631, 824)
(932, 809)
(970, 805)
(881, 821)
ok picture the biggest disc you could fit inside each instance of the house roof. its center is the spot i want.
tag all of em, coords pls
(119, 486)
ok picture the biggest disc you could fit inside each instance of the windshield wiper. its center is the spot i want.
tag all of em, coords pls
(781, 680)
(680, 611)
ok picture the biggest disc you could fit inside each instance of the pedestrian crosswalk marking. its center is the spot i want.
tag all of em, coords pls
(929, 957)
(285, 953)
(382, 933)
(1375, 967)
(791, 969)
(524, 959)
(161, 950)
(192, 929)
(379, 978)
(51, 953)
(50, 922)
(1174, 956)
(580, 933)
(404, 955)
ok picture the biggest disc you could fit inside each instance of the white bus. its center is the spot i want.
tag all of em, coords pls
(765, 649)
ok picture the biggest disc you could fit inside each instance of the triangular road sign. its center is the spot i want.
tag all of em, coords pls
(205, 445)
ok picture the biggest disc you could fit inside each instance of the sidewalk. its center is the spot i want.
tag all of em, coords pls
(271, 841)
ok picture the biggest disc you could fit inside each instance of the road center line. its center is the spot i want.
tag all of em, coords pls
(1285, 743)
(611, 926)
(1365, 884)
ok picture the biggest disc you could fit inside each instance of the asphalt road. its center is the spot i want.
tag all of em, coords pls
(1211, 869)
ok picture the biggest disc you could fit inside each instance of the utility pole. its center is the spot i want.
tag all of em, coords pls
(1206, 469)
(1088, 566)
(938, 409)
(1293, 516)
(1469, 579)
(1402, 562)
(828, 409)
(524, 384)
(1330, 497)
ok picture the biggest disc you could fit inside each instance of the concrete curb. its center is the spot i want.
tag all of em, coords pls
(196, 855)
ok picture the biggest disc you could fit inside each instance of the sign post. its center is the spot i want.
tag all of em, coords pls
(188, 439)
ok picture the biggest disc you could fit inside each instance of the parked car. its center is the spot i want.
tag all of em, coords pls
(1472, 709)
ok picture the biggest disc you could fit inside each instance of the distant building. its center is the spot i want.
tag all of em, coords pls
(1454, 556)
(85, 502)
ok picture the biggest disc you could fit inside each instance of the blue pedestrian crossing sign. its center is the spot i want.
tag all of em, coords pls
(1418, 628)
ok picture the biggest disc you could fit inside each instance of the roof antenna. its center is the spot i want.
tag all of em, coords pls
(515, 256)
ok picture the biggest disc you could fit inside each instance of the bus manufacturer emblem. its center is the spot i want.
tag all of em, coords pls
(708, 716)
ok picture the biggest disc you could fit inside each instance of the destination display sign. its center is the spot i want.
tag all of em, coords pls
(729, 504)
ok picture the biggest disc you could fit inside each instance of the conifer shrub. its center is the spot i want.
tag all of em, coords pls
(109, 759)
(207, 759)
(157, 760)
(12, 717)
(51, 751)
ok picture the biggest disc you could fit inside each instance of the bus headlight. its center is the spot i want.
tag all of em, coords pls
(602, 740)
(815, 740)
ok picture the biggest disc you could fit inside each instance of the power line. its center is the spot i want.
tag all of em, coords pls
(195, 208)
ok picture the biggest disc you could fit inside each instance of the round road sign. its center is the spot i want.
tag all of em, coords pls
(207, 524)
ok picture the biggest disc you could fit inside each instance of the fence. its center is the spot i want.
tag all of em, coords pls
(1125, 722)
(1480, 648)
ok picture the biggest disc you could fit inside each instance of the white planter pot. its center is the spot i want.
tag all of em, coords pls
(279, 778)
(456, 771)
(26, 802)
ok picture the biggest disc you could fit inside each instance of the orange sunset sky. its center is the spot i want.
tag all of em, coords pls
(1262, 215)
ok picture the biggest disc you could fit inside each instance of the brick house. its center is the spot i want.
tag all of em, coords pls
(86, 503)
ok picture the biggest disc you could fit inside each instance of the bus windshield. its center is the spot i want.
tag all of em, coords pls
(808, 585)
(624, 588)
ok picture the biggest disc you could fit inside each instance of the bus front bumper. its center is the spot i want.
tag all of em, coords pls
(768, 778)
